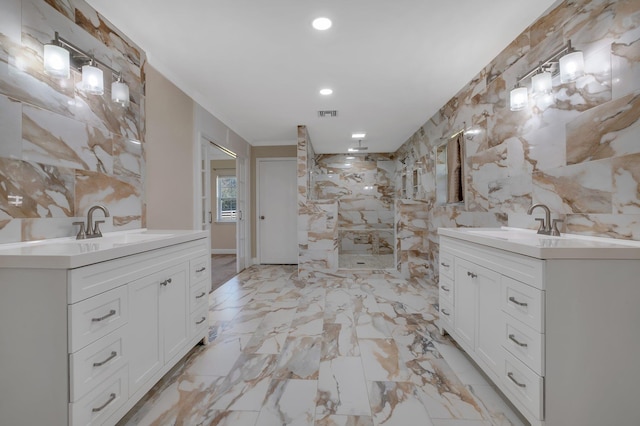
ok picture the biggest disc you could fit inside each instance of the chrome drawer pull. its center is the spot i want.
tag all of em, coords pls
(445, 288)
(513, 299)
(165, 282)
(201, 320)
(444, 311)
(445, 264)
(510, 375)
(471, 274)
(112, 356)
(201, 270)
(103, 406)
(110, 314)
(512, 337)
(203, 293)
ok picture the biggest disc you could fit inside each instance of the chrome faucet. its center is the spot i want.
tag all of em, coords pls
(93, 228)
(545, 225)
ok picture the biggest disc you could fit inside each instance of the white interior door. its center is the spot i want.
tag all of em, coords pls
(277, 211)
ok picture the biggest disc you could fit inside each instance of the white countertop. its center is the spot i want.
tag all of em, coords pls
(69, 253)
(529, 243)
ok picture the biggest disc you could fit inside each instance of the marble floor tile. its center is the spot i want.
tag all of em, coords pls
(300, 358)
(455, 422)
(461, 365)
(289, 402)
(246, 385)
(344, 421)
(497, 409)
(342, 388)
(339, 340)
(231, 418)
(397, 403)
(444, 395)
(355, 349)
(219, 357)
(381, 361)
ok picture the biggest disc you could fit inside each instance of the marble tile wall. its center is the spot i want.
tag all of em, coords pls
(62, 150)
(580, 155)
(317, 219)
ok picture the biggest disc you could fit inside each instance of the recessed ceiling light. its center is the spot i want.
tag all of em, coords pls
(326, 92)
(358, 135)
(321, 24)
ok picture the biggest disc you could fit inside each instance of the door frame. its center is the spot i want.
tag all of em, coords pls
(203, 144)
(257, 209)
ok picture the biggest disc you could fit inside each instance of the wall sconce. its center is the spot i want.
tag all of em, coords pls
(60, 55)
(92, 79)
(566, 60)
(120, 92)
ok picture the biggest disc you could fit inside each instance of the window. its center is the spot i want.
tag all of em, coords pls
(226, 190)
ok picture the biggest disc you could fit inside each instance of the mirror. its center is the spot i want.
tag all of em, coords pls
(440, 155)
(449, 161)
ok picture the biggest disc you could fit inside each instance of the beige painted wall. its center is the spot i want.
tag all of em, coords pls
(223, 234)
(263, 152)
(169, 154)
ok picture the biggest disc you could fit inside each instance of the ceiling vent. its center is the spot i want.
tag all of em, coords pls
(328, 113)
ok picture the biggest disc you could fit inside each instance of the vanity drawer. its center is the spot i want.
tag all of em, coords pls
(524, 384)
(96, 317)
(199, 321)
(524, 343)
(199, 296)
(446, 314)
(446, 264)
(95, 363)
(199, 268)
(446, 289)
(101, 402)
(523, 302)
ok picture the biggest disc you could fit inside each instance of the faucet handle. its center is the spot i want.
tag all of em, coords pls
(81, 233)
(554, 228)
(543, 226)
(96, 228)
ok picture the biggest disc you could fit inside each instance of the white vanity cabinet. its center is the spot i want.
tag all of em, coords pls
(556, 333)
(81, 345)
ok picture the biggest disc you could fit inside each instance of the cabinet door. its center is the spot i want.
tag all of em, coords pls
(466, 290)
(490, 318)
(174, 310)
(478, 319)
(144, 338)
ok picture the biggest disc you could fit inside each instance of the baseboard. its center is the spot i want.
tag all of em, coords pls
(254, 261)
(223, 251)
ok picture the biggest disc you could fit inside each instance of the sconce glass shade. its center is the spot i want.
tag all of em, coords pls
(92, 80)
(571, 66)
(120, 93)
(519, 99)
(56, 61)
(541, 84)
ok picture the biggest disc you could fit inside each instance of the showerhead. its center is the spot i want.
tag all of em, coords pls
(358, 148)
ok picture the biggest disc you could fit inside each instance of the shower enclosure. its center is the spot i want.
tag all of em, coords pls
(363, 187)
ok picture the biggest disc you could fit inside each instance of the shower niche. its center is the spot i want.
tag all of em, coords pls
(366, 248)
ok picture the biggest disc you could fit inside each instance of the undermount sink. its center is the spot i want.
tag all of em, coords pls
(530, 243)
(68, 252)
(128, 238)
(510, 234)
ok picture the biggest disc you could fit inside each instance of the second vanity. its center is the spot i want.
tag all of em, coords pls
(552, 321)
(87, 327)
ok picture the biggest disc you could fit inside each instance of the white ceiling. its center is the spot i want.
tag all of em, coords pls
(258, 65)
